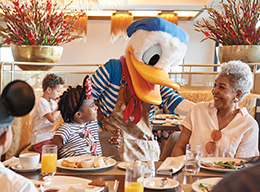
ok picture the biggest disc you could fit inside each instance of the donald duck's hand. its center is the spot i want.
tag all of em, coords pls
(116, 138)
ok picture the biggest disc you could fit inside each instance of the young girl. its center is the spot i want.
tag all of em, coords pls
(45, 112)
(78, 135)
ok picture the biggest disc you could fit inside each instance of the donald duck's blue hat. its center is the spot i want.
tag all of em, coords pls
(158, 24)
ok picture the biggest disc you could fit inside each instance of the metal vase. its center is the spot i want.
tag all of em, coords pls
(245, 53)
(36, 53)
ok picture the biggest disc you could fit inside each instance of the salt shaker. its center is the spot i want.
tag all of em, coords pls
(151, 167)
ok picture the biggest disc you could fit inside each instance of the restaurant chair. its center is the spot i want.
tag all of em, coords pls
(172, 139)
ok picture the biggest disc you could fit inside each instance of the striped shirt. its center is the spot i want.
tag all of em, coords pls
(106, 84)
(79, 140)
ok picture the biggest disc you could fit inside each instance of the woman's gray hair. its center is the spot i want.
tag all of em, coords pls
(241, 77)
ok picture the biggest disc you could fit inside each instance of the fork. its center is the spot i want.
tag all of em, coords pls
(164, 182)
(106, 158)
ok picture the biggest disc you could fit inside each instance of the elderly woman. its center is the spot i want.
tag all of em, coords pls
(220, 126)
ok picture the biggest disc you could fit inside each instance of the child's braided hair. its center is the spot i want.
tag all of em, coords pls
(68, 102)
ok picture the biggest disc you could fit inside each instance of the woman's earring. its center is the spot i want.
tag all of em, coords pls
(236, 100)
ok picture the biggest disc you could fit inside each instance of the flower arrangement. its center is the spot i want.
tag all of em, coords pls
(37, 22)
(235, 25)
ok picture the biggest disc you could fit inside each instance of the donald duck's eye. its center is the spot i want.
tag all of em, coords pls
(152, 55)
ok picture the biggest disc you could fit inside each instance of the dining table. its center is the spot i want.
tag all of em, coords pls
(165, 127)
(116, 173)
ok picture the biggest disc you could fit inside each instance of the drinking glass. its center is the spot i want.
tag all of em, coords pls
(192, 162)
(49, 160)
(134, 177)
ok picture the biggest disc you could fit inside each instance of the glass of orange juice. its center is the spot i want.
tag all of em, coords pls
(134, 177)
(49, 160)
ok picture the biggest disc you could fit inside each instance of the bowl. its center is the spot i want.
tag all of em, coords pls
(87, 163)
(29, 160)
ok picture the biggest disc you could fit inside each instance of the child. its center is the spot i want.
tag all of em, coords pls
(78, 135)
(17, 99)
(45, 112)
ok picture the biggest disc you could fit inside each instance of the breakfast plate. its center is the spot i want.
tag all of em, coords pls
(123, 165)
(68, 183)
(19, 168)
(108, 163)
(210, 181)
(213, 160)
(176, 121)
(159, 117)
(164, 116)
(159, 122)
(156, 183)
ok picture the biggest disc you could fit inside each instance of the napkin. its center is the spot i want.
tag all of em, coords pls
(12, 161)
(171, 165)
(78, 189)
(83, 189)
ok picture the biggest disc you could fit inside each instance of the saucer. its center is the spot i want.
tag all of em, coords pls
(159, 122)
(19, 168)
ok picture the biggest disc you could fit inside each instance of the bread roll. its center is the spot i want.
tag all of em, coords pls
(71, 163)
(98, 162)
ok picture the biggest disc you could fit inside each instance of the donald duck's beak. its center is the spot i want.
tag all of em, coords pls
(146, 79)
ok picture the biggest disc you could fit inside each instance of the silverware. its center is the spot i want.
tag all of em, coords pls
(164, 182)
(106, 158)
(114, 189)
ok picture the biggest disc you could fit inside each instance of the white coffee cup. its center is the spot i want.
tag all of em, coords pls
(29, 160)
(87, 163)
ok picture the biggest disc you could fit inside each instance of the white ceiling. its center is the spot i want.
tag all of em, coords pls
(164, 5)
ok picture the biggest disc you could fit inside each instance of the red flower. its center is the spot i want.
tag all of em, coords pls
(206, 33)
(16, 3)
(30, 36)
(38, 22)
(33, 42)
(235, 24)
(7, 41)
(228, 25)
(233, 34)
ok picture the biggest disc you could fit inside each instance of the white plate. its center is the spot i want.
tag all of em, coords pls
(109, 163)
(212, 181)
(176, 121)
(164, 116)
(159, 117)
(63, 183)
(155, 183)
(122, 165)
(19, 168)
(158, 122)
(217, 159)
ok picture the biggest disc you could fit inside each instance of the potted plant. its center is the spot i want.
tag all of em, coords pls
(234, 28)
(37, 25)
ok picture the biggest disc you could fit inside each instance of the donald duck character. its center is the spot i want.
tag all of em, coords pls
(127, 89)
